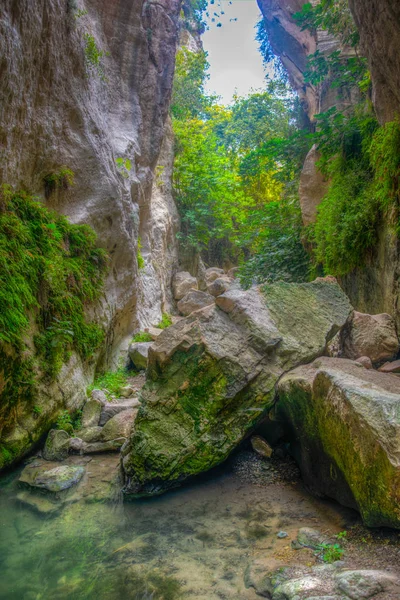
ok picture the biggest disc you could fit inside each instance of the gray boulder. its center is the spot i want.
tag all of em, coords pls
(212, 376)
(57, 445)
(138, 353)
(119, 426)
(91, 434)
(366, 584)
(99, 395)
(374, 336)
(182, 283)
(219, 286)
(91, 413)
(113, 408)
(56, 479)
(212, 274)
(344, 422)
(194, 300)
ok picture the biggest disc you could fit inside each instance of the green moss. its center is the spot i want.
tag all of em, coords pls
(140, 259)
(111, 382)
(165, 322)
(50, 271)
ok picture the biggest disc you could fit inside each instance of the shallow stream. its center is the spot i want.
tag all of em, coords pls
(195, 542)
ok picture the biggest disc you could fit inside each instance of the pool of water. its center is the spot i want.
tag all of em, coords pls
(193, 543)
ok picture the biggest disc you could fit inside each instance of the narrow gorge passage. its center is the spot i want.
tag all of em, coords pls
(199, 300)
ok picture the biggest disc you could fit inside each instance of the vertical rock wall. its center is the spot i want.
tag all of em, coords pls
(57, 110)
(62, 106)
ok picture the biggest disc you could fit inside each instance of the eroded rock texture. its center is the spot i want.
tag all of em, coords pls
(212, 376)
(83, 84)
(378, 22)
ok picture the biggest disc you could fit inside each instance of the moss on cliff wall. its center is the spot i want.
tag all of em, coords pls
(50, 271)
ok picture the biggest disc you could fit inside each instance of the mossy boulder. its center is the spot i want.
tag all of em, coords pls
(212, 376)
(344, 422)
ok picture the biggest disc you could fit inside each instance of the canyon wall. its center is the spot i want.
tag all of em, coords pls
(86, 85)
(375, 287)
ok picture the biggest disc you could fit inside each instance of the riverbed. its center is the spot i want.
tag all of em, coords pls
(193, 543)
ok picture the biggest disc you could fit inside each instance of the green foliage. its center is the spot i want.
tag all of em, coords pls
(342, 535)
(267, 52)
(50, 270)
(188, 98)
(142, 337)
(140, 260)
(331, 552)
(94, 56)
(333, 16)
(111, 382)
(280, 255)
(64, 421)
(363, 163)
(165, 322)
(230, 174)
(37, 410)
(68, 422)
(59, 180)
(124, 166)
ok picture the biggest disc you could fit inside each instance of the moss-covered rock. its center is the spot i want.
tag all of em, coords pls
(212, 376)
(344, 422)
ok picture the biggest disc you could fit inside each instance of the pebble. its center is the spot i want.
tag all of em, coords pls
(282, 534)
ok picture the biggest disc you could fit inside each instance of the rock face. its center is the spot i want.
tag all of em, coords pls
(344, 423)
(213, 375)
(374, 336)
(138, 353)
(59, 109)
(194, 300)
(379, 29)
(313, 187)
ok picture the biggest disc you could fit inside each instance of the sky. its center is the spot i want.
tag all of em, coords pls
(235, 62)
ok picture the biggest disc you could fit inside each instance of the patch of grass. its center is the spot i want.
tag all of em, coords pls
(140, 260)
(331, 552)
(68, 422)
(94, 56)
(142, 337)
(111, 382)
(165, 322)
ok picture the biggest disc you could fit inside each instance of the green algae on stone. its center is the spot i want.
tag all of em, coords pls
(345, 428)
(212, 378)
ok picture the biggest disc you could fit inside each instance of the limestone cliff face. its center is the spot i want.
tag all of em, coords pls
(82, 84)
(57, 109)
(378, 22)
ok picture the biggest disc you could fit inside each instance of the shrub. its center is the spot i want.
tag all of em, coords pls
(111, 381)
(165, 322)
(60, 180)
(142, 337)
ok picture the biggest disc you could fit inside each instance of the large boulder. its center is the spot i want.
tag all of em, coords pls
(57, 445)
(212, 274)
(344, 423)
(374, 336)
(212, 376)
(194, 300)
(182, 283)
(138, 353)
(91, 413)
(219, 286)
(119, 426)
(55, 479)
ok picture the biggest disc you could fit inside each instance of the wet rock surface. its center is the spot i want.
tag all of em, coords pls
(222, 524)
(54, 479)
